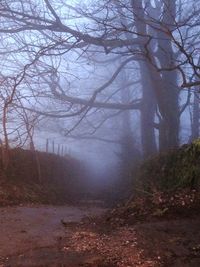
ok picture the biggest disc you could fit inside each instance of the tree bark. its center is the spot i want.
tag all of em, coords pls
(148, 108)
(195, 118)
(169, 105)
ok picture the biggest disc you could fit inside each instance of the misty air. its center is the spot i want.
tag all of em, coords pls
(99, 133)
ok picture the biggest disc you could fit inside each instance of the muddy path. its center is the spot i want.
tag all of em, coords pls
(52, 236)
(31, 236)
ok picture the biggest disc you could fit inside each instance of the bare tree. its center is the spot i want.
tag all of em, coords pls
(157, 36)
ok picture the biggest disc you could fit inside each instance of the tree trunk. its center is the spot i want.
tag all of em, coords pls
(5, 143)
(195, 118)
(148, 110)
(169, 93)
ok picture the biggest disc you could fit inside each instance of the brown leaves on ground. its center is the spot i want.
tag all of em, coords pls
(157, 205)
(174, 243)
(158, 230)
(118, 248)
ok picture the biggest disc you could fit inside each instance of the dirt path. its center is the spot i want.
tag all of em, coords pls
(35, 231)
(54, 236)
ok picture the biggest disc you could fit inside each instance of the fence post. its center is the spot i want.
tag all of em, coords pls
(53, 146)
(47, 145)
(58, 152)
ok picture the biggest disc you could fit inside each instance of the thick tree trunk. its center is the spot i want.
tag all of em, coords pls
(163, 83)
(160, 69)
(170, 122)
(167, 98)
(127, 138)
(195, 118)
(148, 110)
(129, 154)
(169, 127)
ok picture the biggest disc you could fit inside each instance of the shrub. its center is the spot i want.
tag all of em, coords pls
(178, 168)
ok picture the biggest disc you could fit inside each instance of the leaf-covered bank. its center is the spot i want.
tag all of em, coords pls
(176, 169)
(39, 177)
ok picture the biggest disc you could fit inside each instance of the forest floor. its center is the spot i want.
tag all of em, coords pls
(59, 236)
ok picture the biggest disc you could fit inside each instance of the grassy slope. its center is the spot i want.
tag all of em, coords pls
(38, 177)
(176, 169)
(166, 185)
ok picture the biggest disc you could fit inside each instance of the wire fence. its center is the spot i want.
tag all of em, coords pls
(53, 147)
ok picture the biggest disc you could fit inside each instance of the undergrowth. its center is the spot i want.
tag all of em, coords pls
(174, 170)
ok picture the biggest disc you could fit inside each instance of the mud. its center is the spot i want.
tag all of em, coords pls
(30, 236)
(56, 237)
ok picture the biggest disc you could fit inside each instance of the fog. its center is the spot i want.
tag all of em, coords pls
(110, 83)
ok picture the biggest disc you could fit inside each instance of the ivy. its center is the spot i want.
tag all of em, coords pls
(175, 169)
